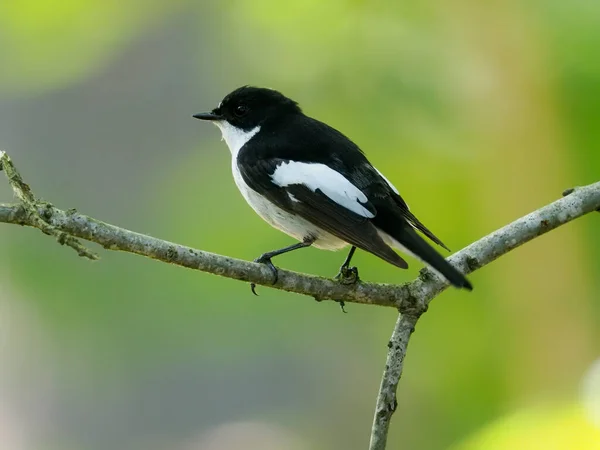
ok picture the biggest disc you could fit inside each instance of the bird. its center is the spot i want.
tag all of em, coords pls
(310, 181)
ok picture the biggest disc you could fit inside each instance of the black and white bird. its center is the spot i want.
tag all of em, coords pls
(310, 181)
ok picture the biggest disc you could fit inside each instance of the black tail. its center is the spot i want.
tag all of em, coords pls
(415, 244)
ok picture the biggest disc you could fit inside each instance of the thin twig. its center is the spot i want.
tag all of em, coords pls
(386, 399)
(34, 213)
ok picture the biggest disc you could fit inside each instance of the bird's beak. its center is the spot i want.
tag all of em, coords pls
(208, 116)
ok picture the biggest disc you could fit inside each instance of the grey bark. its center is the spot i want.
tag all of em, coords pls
(576, 203)
(410, 299)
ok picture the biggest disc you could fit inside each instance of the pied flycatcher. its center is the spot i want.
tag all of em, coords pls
(310, 181)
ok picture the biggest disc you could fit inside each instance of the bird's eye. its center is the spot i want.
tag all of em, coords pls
(241, 110)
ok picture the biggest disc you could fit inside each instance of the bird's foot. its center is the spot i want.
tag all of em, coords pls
(347, 275)
(265, 259)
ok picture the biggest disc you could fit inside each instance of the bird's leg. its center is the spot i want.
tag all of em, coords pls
(347, 274)
(265, 258)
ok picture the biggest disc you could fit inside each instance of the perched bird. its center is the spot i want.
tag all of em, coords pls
(310, 181)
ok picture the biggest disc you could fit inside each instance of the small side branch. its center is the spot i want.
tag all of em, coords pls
(30, 209)
(386, 400)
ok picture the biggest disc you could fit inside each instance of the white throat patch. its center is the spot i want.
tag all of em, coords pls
(235, 138)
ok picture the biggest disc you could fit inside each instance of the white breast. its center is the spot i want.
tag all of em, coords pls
(291, 224)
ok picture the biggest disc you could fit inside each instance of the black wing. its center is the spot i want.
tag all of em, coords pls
(319, 209)
(308, 139)
(394, 218)
(397, 210)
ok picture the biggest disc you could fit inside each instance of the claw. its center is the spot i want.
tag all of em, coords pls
(266, 261)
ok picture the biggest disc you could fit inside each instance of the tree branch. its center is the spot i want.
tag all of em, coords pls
(386, 398)
(576, 203)
(411, 299)
(29, 209)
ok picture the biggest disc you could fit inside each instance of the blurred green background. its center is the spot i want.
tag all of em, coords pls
(479, 112)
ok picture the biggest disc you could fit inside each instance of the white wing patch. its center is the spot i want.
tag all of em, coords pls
(387, 181)
(235, 137)
(319, 176)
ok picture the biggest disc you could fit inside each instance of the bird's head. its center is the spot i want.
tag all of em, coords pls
(249, 107)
